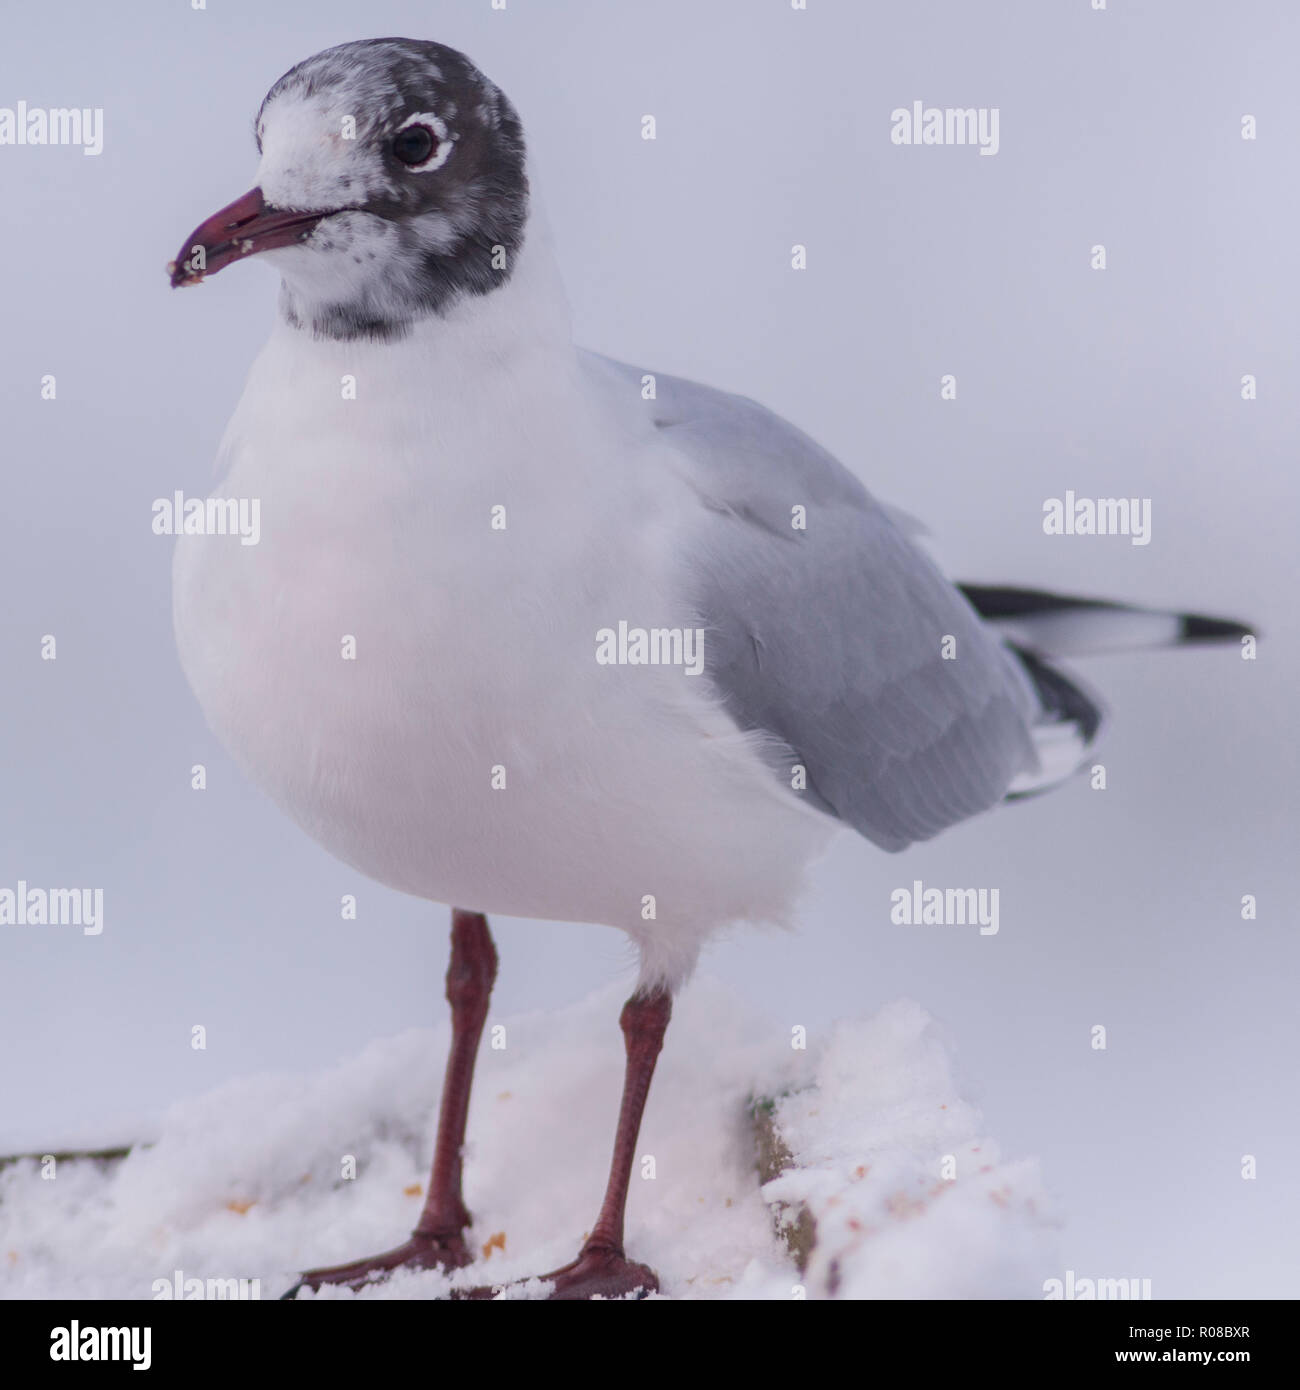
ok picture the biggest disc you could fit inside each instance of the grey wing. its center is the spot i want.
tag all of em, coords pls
(832, 638)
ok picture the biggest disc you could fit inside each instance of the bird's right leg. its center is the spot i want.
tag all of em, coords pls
(438, 1241)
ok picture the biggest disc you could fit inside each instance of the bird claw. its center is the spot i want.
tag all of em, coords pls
(596, 1273)
(418, 1253)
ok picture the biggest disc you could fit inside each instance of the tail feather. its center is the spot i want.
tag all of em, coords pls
(1067, 729)
(1039, 627)
(1062, 625)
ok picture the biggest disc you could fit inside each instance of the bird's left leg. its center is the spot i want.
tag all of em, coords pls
(602, 1269)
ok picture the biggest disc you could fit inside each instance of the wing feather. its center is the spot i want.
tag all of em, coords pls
(831, 639)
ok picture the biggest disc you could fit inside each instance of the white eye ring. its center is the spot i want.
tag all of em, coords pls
(439, 127)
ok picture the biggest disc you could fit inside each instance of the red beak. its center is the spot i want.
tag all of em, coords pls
(247, 226)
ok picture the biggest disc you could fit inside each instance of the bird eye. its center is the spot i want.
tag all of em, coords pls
(414, 144)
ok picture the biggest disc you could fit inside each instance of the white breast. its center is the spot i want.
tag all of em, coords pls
(475, 648)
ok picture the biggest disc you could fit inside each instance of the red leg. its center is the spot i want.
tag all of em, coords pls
(602, 1268)
(438, 1240)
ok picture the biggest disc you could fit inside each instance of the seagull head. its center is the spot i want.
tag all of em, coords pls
(391, 186)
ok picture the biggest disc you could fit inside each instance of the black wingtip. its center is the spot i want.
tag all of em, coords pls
(1194, 628)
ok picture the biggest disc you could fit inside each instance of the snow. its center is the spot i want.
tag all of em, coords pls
(245, 1182)
(874, 1142)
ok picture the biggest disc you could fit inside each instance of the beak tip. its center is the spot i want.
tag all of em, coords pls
(181, 275)
(241, 229)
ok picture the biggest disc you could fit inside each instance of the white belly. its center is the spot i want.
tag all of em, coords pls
(471, 750)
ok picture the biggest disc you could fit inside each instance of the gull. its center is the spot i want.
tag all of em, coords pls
(540, 633)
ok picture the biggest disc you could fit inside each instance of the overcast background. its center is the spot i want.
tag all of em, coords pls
(1120, 907)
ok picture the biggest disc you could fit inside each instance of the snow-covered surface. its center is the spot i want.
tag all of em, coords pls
(245, 1182)
(910, 1199)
